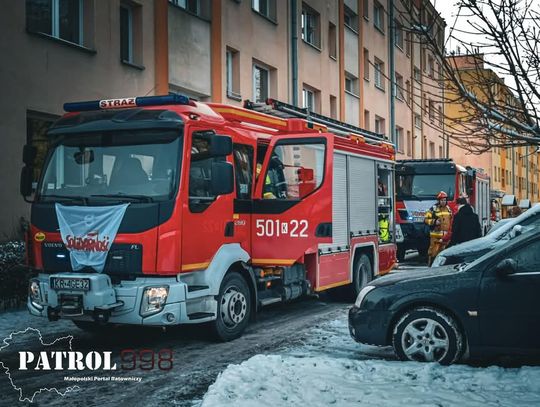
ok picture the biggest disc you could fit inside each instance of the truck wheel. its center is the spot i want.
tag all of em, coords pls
(361, 276)
(400, 253)
(426, 334)
(233, 308)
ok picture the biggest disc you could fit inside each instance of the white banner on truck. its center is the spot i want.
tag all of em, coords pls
(88, 232)
(417, 209)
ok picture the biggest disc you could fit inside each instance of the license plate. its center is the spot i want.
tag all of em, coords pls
(418, 219)
(79, 284)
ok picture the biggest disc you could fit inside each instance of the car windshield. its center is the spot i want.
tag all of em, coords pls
(424, 185)
(140, 165)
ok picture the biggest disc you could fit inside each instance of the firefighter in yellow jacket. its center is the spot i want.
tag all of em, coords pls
(439, 219)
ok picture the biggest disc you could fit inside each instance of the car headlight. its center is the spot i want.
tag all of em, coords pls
(363, 292)
(439, 261)
(153, 300)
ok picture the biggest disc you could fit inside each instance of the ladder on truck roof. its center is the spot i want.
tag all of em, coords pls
(286, 111)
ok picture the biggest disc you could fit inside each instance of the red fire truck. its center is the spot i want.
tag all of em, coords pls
(417, 184)
(230, 209)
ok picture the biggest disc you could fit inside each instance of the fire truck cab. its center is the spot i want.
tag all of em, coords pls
(417, 184)
(228, 209)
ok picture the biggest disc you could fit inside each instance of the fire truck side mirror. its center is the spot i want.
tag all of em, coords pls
(222, 178)
(26, 181)
(305, 174)
(220, 146)
(29, 154)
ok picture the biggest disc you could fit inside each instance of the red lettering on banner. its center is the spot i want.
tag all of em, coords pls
(88, 243)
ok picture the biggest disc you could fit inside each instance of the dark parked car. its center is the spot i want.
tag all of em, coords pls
(473, 249)
(490, 307)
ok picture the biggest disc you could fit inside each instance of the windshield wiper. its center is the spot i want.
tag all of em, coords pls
(135, 198)
(82, 199)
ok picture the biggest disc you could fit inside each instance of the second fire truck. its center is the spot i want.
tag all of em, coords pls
(223, 210)
(417, 184)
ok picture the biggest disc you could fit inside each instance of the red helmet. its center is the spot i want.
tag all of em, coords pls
(441, 195)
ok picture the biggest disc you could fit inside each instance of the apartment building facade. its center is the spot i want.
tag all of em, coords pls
(336, 57)
(514, 169)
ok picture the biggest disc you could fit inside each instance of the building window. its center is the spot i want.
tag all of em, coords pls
(441, 116)
(417, 74)
(126, 33)
(233, 74)
(333, 107)
(378, 16)
(431, 67)
(261, 84)
(408, 43)
(399, 35)
(310, 26)
(409, 92)
(308, 99)
(366, 120)
(417, 121)
(379, 72)
(366, 64)
(266, 8)
(399, 87)
(57, 18)
(332, 41)
(431, 110)
(440, 152)
(400, 140)
(409, 144)
(351, 19)
(431, 149)
(379, 125)
(366, 9)
(191, 6)
(351, 84)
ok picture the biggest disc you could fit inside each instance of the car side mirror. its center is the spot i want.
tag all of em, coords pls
(220, 146)
(26, 182)
(222, 178)
(29, 154)
(506, 267)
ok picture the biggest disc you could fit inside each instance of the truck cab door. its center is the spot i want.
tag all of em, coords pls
(292, 206)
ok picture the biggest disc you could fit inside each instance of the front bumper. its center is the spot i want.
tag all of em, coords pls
(120, 303)
(369, 327)
(415, 235)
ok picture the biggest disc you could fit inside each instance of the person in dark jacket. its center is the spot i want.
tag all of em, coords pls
(465, 225)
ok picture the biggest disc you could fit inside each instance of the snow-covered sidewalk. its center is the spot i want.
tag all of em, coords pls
(331, 369)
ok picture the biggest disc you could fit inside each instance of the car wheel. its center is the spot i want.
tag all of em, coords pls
(400, 253)
(426, 334)
(233, 308)
(362, 274)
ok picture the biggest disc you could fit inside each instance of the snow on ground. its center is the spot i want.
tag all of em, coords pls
(329, 368)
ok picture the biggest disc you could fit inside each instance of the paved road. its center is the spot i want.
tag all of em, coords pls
(197, 361)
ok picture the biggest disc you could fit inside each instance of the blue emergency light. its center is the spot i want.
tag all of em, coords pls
(126, 102)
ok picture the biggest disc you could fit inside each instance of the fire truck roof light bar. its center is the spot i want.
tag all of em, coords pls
(126, 102)
(333, 125)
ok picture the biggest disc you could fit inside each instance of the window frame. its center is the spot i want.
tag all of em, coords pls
(261, 68)
(129, 8)
(315, 17)
(378, 16)
(54, 14)
(378, 74)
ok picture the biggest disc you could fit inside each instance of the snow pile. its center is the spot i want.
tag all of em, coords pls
(278, 380)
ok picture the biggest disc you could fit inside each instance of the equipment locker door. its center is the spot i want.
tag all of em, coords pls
(292, 209)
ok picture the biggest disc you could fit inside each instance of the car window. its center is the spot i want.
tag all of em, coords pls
(527, 258)
(527, 225)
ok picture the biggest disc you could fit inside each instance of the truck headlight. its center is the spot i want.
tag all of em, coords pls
(153, 300)
(363, 292)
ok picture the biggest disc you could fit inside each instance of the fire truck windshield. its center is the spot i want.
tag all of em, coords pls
(427, 186)
(131, 166)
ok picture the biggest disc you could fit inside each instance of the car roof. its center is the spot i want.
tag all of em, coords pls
(518, 241)
(490, 239)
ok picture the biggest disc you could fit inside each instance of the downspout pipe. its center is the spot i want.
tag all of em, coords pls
(294, 52)
(392, 73)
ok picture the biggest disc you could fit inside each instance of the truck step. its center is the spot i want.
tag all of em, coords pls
(192, 288)
(270, 300)
(200, 315)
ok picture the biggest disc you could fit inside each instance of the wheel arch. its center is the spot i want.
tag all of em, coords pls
(367, 248)
(246, 271)
(426, 302)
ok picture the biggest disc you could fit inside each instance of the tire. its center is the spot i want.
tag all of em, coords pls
(426, 334)
(233, 308)
(400, 253)
(362, 274)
